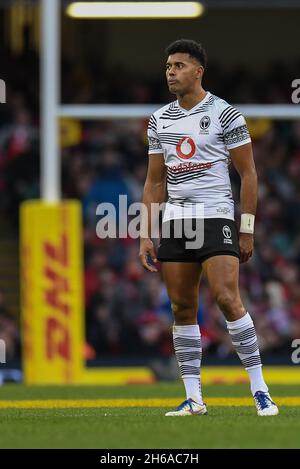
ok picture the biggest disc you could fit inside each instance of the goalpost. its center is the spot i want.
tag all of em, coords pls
(51, 236)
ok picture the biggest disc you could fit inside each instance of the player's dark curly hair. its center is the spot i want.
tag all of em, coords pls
(188, 46)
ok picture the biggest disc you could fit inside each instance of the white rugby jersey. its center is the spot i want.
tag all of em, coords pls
(195, 145)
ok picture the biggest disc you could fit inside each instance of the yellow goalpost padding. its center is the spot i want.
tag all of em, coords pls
(52, 304)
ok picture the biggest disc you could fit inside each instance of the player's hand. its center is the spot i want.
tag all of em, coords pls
(147, 253)
(246, 246)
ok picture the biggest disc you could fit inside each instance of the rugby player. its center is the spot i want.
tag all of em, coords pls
(191, 144)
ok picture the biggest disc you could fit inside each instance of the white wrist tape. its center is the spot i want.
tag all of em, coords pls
(247, 223)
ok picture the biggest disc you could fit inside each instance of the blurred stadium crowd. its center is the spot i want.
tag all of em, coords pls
(127, 309)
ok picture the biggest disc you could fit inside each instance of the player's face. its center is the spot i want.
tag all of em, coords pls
(183, 73)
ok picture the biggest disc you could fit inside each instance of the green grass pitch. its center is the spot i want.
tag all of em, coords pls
(143, 427)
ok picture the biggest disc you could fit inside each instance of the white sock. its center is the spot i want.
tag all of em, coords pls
(257, 380)
(187, 344)
(244, 339)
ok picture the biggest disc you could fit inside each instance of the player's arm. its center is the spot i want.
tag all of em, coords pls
(242, 159)
(154, 192)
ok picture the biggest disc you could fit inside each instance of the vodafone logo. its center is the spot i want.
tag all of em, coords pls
(186, 148)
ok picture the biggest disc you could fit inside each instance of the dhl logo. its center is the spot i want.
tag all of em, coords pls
(57, 269)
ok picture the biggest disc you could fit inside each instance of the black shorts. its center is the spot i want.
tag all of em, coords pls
(220, 238)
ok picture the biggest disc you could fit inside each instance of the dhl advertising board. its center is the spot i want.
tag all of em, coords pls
(51, 292)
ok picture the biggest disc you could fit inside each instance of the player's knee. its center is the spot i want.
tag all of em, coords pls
(228, 302)
(184, 311)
